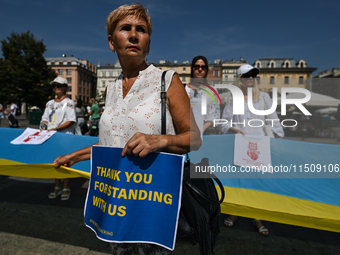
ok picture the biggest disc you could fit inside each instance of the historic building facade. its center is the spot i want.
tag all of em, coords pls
(182, 69)
(283, 72)
(80, 74)
(229, 68)
(106, 74)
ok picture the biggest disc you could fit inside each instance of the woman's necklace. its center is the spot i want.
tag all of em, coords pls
(126, 88)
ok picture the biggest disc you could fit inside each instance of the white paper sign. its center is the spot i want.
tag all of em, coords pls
(33, 136)
(252, 151)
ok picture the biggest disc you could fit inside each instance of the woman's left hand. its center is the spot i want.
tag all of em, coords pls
(141, 144)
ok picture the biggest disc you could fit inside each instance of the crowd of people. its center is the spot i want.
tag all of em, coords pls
(129, 29)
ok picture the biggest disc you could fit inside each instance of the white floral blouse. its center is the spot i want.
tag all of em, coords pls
(139, 111)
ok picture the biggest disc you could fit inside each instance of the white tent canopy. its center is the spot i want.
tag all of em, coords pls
(316, 100)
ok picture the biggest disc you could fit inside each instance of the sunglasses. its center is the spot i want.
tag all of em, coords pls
(199, 66)
(248, 75)
(59, 86)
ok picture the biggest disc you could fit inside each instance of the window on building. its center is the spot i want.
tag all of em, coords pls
(69, 89)
(286, 80)
(69, 80)
(61, 71)
(272, 65)
(103, 84)
(271, 80)
(226, 78)
(69, 71)
(83, 90)
(287, 65)
(216, 73)
(184, 68)
(301, 79)
(184, 78)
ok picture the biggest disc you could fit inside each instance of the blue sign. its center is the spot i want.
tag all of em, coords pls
(133, 199)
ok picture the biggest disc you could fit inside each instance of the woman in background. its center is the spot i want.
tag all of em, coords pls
(60, 116)
(80, 114)
(199, 73)
(246, 76)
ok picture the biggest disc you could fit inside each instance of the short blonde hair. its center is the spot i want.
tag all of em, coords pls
(137, 10)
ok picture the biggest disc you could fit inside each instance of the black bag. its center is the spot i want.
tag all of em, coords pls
(199, 218)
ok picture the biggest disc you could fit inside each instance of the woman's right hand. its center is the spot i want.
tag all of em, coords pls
(70, 159)
(63, 160)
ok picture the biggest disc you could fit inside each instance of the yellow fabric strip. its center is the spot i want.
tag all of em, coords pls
(282, 209)
(43, 171)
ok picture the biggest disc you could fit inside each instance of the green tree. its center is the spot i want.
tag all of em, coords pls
(25, 77)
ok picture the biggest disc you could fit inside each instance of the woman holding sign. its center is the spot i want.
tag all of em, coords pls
(132, 118)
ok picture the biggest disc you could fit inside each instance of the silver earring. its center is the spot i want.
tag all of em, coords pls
(113, 51)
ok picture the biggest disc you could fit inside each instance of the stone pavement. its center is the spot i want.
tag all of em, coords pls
(33, 224)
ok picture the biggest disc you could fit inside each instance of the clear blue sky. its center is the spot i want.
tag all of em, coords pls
(183, 29)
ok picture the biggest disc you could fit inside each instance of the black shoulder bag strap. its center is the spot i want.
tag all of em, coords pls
(163, 132)
(163, 104)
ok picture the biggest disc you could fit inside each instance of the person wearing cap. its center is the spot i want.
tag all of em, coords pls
(246, 78)
(60, 116)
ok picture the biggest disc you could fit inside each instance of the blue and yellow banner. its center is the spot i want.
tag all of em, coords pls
(311, 202)
(36, 161)
(133, 199)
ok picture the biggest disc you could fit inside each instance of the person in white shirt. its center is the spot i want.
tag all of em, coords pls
(60, 115)
(132, 116)
(13, 109)
(246, 78)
